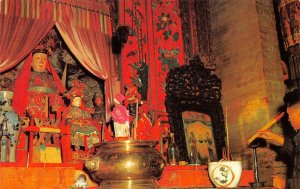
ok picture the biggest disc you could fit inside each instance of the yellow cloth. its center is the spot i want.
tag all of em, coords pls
(49, 154)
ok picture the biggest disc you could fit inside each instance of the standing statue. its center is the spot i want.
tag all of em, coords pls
(10, 127)
(120, 116)
(132, 97)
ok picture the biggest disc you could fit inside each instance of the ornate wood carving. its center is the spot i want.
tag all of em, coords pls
(194, 88)
(196, 29)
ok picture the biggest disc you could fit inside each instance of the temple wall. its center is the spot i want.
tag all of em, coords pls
(245, 46)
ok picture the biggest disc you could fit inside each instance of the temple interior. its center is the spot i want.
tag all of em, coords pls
(142, 94)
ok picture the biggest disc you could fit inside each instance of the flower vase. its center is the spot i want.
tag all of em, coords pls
(10, 127)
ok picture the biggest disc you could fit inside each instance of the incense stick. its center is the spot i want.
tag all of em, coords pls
(227, 134)
(45, 159)
(27, 162)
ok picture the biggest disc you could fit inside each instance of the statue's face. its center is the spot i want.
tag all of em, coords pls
(76, 101)
(39, 62)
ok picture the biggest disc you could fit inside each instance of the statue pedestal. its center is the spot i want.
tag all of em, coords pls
(36, 177)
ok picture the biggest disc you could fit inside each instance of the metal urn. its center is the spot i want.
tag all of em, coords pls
(126, 164)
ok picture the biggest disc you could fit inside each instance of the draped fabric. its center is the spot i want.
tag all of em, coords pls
(86, 31)
(90, 44)
(20, 31)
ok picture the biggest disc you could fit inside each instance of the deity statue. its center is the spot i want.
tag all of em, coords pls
(93, 95)
(120, 116)
(132, 98)
(80, 120)
(35, 85)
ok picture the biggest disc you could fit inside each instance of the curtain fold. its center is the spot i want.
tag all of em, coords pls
(90, 46)
(20, 32)
(24, 23)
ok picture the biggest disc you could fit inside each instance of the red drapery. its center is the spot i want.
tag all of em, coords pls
(24, 23)
(89, 41)
(20, 31)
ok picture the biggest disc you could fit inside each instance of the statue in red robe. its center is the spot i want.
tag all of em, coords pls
(35, 84)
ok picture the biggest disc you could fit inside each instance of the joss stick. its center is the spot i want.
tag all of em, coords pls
(46, 107)
(45, 159)
(27, 160)
(102, 132)
(227, 135)
(161, 143)
(136, 119)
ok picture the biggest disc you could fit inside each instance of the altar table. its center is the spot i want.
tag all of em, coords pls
(194, 176)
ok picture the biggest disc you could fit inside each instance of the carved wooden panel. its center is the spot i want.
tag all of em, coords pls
(194, 88)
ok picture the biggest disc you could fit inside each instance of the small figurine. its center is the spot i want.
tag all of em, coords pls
(144, 125)
(80, 121)
(132, 97)
(107, 133)
(120, 116)
(81, 181)
(92, 92)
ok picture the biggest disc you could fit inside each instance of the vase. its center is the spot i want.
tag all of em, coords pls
(126, 163)
(225, 174)
(10, 127)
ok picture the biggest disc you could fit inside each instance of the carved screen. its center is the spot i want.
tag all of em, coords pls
(194, 88)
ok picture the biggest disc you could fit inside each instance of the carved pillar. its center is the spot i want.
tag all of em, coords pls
(289, 12)
(196, 30)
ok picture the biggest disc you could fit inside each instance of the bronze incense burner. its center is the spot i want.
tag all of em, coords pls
(126, 162)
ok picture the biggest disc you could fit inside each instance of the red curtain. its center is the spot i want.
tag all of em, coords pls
(24, 23)
(20, 31)
(86, 35)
